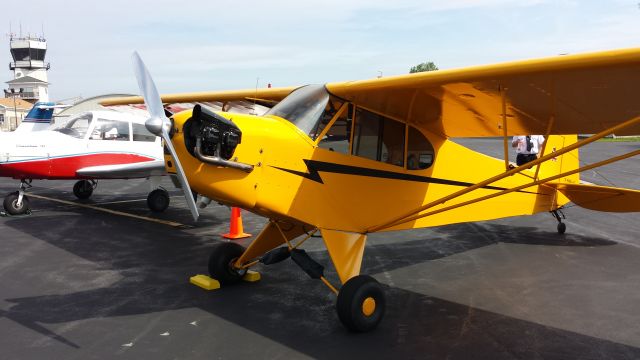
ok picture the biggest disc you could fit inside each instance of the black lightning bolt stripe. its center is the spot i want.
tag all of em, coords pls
(315, 167)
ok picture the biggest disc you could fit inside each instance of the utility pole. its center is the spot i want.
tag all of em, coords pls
(15, 108)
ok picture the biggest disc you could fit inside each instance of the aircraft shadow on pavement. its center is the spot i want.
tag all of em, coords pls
(286, 306)
(525, 235)
(133, 203)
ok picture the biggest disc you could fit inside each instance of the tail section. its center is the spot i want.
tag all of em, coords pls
(561, 164)
(601, 198)
(589, 196)
(39, 117)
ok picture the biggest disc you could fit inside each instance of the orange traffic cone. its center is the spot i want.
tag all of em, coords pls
(235, 226)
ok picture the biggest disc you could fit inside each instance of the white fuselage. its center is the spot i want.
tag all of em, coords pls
(88, 140)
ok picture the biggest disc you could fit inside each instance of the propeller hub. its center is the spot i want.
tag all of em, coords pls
(155, 125)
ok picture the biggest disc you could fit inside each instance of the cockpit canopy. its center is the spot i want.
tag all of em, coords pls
(103, 126)
(353, 129)
(76, 127)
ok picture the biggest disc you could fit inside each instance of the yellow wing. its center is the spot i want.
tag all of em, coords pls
(260, 95)
(584, 94)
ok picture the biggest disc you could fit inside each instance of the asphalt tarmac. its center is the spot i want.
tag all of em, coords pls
(79, 282)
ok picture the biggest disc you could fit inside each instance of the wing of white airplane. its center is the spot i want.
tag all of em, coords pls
(124, 171)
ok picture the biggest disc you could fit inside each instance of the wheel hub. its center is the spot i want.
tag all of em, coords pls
(368, 306)
(234, 270)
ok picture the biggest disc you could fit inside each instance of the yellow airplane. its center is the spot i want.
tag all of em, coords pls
(352, 158)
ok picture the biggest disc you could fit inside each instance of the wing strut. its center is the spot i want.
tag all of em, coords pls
(410, 216)
(552, 120)
(520, 187)
(503, 95)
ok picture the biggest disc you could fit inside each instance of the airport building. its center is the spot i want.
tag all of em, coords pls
(12, 111)
(30, 81)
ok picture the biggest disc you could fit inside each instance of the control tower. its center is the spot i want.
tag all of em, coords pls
(30, 80)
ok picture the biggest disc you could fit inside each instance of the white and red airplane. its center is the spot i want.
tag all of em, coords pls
(89, 146)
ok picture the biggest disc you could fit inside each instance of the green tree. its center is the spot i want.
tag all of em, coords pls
(425, 66)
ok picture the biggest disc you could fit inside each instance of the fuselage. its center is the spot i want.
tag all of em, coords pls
(90, 139)
(341, 186)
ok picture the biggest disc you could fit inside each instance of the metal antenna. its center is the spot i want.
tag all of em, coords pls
(256, 96)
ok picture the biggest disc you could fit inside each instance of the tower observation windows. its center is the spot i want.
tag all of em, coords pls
(28, 54)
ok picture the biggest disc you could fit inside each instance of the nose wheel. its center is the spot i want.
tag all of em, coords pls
(16, 203)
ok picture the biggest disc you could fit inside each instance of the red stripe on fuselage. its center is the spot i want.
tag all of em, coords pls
(65, 167)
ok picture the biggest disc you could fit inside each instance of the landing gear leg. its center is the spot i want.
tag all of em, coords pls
(17, 203)
(84, 188)
(559, 215)
(361, 301)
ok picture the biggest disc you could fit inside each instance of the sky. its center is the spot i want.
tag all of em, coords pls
(218, 44)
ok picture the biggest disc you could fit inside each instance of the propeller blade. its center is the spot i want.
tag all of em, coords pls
(159, 124)
(148, 88)
(181, 176)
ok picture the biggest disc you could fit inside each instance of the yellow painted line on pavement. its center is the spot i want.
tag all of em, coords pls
(160, 221)
(124, 201)
(120, 202)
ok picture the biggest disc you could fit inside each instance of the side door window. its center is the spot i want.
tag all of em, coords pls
(115, 130)
(377, 137)
(419, 150)
(140, 133)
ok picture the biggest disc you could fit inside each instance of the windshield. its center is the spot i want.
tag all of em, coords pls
(76, 127)
(303, 107)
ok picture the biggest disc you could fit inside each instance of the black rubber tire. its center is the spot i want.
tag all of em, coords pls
(220, 261)
(158, 200)
(351, 298)
(10, 207)
(562, 227)
(83, 189)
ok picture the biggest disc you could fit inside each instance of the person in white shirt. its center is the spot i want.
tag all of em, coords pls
(527, 147)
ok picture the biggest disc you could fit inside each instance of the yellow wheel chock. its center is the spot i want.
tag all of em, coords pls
(208, 283)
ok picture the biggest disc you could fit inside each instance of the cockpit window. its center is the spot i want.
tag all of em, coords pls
(338, 136)
(378, 138)
(76, 127)
(110, 130)
(304, 107)
(420, 151)
(140, 133)
(333, 105)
